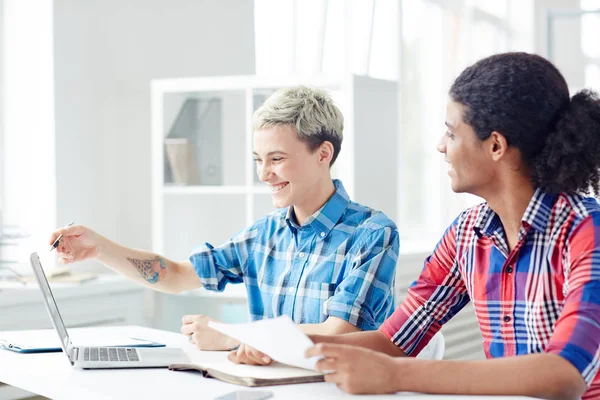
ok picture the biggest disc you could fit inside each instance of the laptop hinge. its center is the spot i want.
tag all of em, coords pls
(75, 354)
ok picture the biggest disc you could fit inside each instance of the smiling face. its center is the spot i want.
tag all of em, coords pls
(294, 173)
(471, 167)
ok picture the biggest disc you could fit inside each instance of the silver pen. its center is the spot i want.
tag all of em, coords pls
(55, 243)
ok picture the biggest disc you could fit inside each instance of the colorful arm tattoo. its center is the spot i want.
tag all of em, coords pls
(151, 270)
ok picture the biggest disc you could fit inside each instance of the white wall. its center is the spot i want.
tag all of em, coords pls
(106, 53)
(1, 109)
(566, 39)
(28, 121)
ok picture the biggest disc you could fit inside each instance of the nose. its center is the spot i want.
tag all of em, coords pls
(441, 146)
(264, 172)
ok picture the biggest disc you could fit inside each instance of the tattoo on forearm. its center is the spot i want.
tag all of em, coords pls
(151, 270)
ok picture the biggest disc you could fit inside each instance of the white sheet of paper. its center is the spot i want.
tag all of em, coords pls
(279, 338)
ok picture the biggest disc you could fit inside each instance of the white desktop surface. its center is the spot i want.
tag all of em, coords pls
(51, 375)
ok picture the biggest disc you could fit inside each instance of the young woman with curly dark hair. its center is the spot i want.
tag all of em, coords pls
(528, 258)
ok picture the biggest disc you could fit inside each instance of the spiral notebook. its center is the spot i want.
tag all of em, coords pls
(45, 340)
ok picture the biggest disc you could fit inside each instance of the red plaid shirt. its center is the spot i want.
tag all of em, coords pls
(543, 296)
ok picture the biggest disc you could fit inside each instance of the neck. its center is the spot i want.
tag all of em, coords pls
(510, 200)
(315, 199)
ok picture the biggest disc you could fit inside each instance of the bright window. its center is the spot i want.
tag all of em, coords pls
(590, 32)
(28, 168)
(439, 39)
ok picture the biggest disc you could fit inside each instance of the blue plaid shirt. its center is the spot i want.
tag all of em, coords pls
(340, 263)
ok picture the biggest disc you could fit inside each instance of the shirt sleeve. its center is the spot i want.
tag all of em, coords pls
(576, 335)
(433, 299)
(218, 266)
(367, 290)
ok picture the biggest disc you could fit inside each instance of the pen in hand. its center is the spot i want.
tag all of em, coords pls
(57, 241)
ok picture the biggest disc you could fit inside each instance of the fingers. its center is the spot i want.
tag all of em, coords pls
(328, 350)
(257, 356)
(332, 378)
(188, 319)
(233, 357)
(248, 355)
(320, 338)
(193, 323)
(326, 365)
(75, 230)
(65, 251)
(188, 329)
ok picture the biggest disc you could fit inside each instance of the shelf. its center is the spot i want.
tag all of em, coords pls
(215, 189)
(205, 186)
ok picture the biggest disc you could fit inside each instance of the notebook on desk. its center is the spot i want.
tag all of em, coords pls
(253, 375)
(45, 340)
(279, 338)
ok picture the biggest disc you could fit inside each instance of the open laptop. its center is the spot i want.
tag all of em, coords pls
(102, 357)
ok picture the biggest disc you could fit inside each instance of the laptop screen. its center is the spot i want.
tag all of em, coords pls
(55, 316)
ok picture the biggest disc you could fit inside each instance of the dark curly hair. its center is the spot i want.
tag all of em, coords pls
(525, 98)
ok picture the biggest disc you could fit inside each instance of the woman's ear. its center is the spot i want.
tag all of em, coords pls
(325, 152)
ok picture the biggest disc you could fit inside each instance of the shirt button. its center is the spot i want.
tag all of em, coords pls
(291, 290)
(301, 255)
(506, 318)
(322, 234)
(509, 270)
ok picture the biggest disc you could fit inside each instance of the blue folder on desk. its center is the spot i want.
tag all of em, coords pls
(45, 340)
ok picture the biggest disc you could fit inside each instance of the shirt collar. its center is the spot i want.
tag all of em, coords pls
(539, 210)
(536, 214)
(487, 221)
(324, 219)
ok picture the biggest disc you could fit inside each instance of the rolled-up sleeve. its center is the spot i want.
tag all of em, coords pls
(576, 335)
(367, 291)
(433, 299)
(218, 266)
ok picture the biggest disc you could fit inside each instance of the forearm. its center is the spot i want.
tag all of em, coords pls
(331, 326)
(546, 376)
(147, 268)
(374, 340)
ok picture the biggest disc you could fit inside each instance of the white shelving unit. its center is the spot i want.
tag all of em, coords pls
(215, 115)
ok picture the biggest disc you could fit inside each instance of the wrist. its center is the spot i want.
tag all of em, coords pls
(231, 344)
(408, 374)
(103, 250)
(400, 375)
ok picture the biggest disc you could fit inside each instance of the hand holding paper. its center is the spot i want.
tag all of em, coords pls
(279, 338)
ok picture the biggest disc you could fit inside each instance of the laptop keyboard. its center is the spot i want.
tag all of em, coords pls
(110, 354)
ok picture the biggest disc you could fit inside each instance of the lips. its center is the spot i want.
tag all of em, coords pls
(278, 187)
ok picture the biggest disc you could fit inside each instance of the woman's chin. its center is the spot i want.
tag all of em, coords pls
(279, 201)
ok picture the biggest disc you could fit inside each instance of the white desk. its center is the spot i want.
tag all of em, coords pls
(51, 375)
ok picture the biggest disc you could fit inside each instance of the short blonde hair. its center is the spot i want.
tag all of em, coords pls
(310, 111)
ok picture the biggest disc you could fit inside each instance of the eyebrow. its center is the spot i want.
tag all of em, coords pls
(448, 125)
(271, 153)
